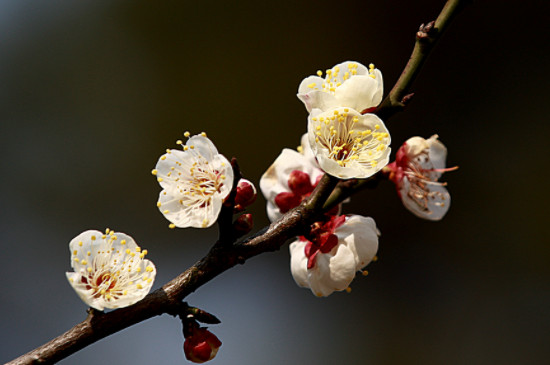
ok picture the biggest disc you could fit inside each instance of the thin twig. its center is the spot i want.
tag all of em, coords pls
(426, 38)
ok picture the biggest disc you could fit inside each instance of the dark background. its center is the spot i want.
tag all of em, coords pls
(93, 92)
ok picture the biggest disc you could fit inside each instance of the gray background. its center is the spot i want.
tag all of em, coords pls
(92, 92)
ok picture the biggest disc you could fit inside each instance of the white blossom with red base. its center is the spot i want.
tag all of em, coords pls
(348, 84)
(110, 270)
(416, 170)
(338, 249)
(195, 183)
(291, 178)
(348, 144)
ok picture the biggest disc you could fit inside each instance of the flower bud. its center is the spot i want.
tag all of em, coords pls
(243, 224)
(201, 345)
(299, 183)
(246, 194)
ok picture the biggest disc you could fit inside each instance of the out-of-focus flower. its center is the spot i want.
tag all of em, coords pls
(348, 144)
(195, 183)
(290, 179)
(200, 345)
(335, 251)
(416, 170)
(110, 270)
(348, 84)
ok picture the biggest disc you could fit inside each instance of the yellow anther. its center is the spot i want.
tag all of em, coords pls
(149, 269)
(163, 157)
(92, 238)
(128, 251)
(375, 258)
(139, 286)
(336, 112)
(192, 147)
(346, 110)
(312, 85)
(373, 163)
(203, 134)
(373, 76)
(377, 126)
(123, 242)
(300, 149)
(89, 253)
(138, 269)
(149, 280)
(159, 204)
(348, 290)
(138, 249)
(89, 269)
(160, 179)
(319, 73)
(75, 252)
(145, 252)
(125, 292)
(103, 236)
(179, 141)
(186, 134)
(371, 66)
(80, 243)
(365, 272)
(168, 151)
(103, 291)
(355, 119)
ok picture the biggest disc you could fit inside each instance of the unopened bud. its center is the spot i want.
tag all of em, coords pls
(246, 194)
(201, 345)
(286, 201)
(243, 224)
(299, 183)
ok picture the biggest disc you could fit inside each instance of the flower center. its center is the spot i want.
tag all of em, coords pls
(420, 182)
(345, 144)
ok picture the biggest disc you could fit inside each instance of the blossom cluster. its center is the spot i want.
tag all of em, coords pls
(344, 139)
(347, 140)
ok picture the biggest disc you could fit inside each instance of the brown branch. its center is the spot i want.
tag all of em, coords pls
(426, 38)
(222, 257)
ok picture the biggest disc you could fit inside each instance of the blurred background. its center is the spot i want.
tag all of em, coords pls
(93, 92)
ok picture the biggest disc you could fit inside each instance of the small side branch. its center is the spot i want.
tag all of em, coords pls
(426, 38)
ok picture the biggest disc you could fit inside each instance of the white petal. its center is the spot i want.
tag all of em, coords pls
(359, 92)
(332, 272)
(202, 146)
(437, 206)
(438, 152)
(298, 263)
(360, 235)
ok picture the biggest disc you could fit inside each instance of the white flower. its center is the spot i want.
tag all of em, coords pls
(418, 166)
(289, 180)
(348, 144)
(348, 84)
(340, 248)
(110, 270)
(195, 182)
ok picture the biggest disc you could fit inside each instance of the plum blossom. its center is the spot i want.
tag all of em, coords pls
(291, 178)
(110, 269)
(348, 84)
(416, 170)
(334, 251)
(195, 183)
(348, 144)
